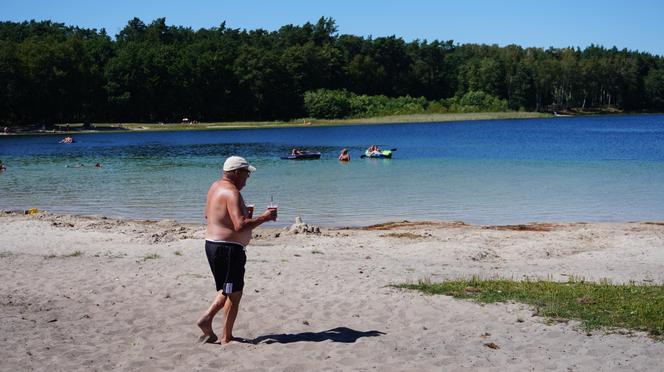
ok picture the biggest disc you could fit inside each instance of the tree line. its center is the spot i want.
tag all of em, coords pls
(54, 73)
(335, 104)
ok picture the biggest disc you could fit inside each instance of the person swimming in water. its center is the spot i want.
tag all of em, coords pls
(344, 156)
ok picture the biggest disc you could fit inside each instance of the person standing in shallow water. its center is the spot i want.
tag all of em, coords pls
(229, 226)
(344, 156)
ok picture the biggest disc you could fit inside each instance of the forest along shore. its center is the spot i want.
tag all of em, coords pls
(120, 294)
(203, 75)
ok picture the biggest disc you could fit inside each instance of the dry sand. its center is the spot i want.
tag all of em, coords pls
(313, 301)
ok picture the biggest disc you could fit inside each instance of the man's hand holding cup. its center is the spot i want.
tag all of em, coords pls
(270, 214)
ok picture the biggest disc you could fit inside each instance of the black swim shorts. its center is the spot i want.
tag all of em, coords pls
(227, 262)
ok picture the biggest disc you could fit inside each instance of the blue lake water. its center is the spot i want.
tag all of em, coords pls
(605, 168)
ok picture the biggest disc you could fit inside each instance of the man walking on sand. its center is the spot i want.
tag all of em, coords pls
(229, 226)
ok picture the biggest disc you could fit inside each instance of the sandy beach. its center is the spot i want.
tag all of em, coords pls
(91, 293)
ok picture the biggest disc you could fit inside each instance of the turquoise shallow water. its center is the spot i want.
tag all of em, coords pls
(489, 172)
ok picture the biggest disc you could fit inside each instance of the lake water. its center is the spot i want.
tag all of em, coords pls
(605, 168)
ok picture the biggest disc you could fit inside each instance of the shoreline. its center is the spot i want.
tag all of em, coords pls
(312, 123)
(534, 225)
(125, 295)
(307, 123)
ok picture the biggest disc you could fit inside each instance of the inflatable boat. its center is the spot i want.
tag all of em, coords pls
(382, 154)
(304, 155)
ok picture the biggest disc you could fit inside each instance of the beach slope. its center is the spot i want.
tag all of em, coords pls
(90, 293)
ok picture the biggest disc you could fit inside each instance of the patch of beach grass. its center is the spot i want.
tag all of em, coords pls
(76, 253)
(602, 305)
(178, 253)
(315, 251)
(150, 256)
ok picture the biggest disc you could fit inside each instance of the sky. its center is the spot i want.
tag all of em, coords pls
(631, 24)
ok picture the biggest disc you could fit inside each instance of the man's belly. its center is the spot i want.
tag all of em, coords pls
(227, 235)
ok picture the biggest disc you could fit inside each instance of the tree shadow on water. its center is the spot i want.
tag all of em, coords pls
(339, 334)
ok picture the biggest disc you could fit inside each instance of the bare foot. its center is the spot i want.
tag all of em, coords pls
(205, 325)
(208, 339)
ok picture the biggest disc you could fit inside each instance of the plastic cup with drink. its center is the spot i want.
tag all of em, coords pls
(250, 210)
(272, 206)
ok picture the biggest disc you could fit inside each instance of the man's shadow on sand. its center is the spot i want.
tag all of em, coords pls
(339, 334)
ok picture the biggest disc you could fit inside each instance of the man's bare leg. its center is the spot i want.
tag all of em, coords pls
(230, 313)
(205, 322)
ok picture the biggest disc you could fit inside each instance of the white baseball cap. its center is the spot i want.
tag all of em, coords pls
(237, 162)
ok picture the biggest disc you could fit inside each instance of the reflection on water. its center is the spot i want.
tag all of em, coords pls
(511, 171)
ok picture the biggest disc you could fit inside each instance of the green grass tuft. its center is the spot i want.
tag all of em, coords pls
(597, 305)
(76, 253)
(151, 256)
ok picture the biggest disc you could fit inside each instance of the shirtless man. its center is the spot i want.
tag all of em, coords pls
(229, 226)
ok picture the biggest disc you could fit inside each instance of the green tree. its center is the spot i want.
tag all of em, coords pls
(654, 85)
(327, 104)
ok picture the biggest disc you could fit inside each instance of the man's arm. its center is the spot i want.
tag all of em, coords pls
(240, 222)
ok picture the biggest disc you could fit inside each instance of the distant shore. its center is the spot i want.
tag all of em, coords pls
(306, 122)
